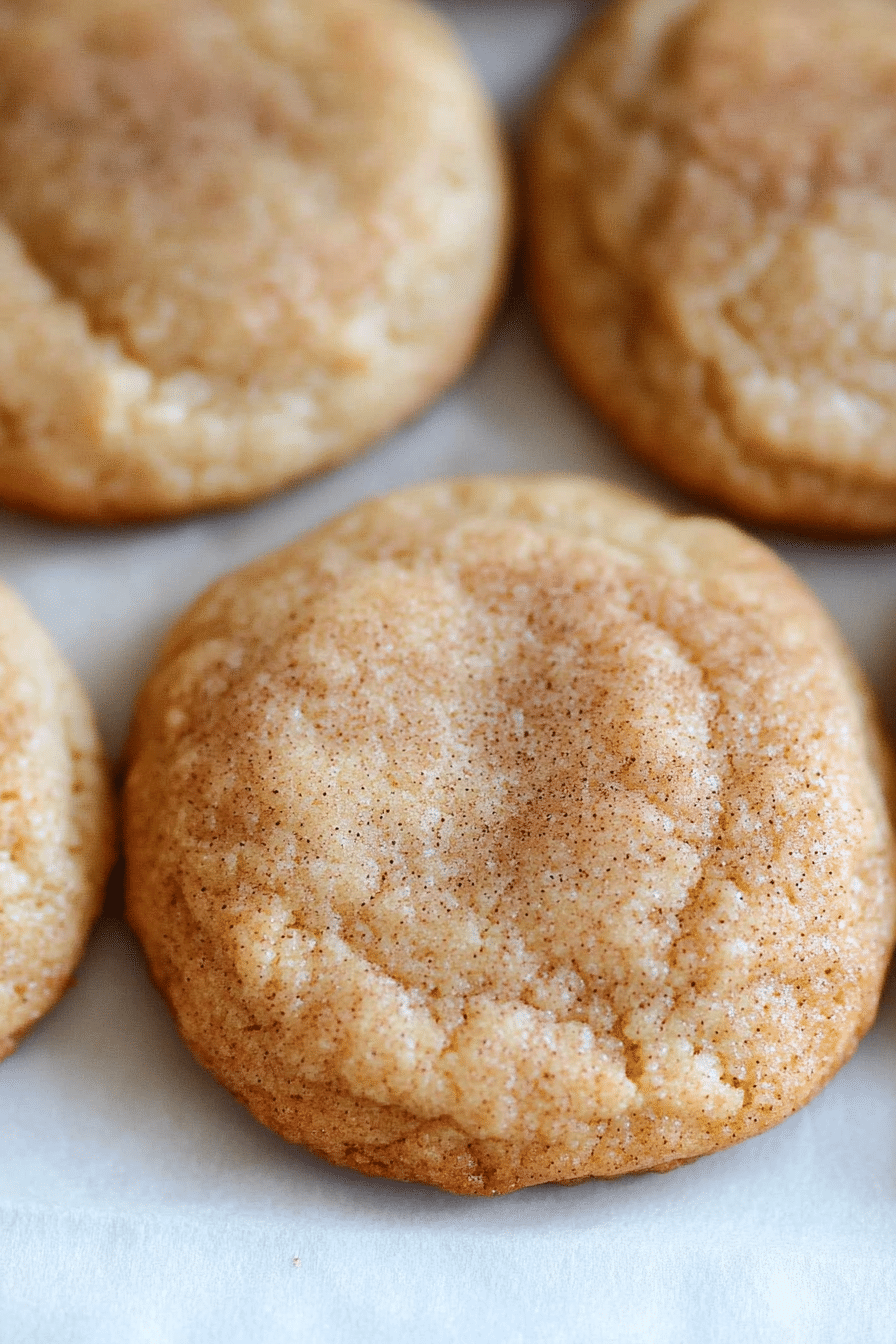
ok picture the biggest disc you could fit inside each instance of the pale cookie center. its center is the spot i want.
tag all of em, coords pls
(118, 150)
(496, 787)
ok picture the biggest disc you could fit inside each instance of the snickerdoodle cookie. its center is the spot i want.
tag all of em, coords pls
(56, 822)
(511, 830)
(713, 247)
(239, 240)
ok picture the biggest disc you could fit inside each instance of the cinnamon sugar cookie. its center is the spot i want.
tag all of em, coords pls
(56, 822)
(511, 830)
(239, 241)
(713, 247)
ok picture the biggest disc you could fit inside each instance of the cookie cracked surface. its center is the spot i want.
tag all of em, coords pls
(56, 822)
(713, 247)
(239, 241)
(512, 830)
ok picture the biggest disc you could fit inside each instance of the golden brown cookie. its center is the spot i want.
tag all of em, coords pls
(239, 241)
(712, 201)
(511, 830)
(56, 822)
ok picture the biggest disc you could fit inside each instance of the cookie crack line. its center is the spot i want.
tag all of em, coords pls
(101, 334)
(751, 453)
(712, 844)
(740, 328)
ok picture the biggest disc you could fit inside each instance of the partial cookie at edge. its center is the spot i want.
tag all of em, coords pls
(56, 822)
(712, 216)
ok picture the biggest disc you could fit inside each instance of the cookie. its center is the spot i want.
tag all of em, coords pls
(512, 830)
(56, 822)
(712, 210)
(239, 241)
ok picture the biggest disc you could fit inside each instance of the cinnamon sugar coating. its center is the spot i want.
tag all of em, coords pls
(510, 830)
(239, 241)
(713, 247)
(56, 822)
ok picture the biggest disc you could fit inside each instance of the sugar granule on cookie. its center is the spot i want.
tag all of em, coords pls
(510, 830)
(56, 822)
(712, 247)
(240, 240)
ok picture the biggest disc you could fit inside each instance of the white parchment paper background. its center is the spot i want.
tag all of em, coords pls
(139, 1202)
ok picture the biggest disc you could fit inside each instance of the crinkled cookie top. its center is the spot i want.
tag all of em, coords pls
(239, 240)
(510, 831)
(714, 246)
